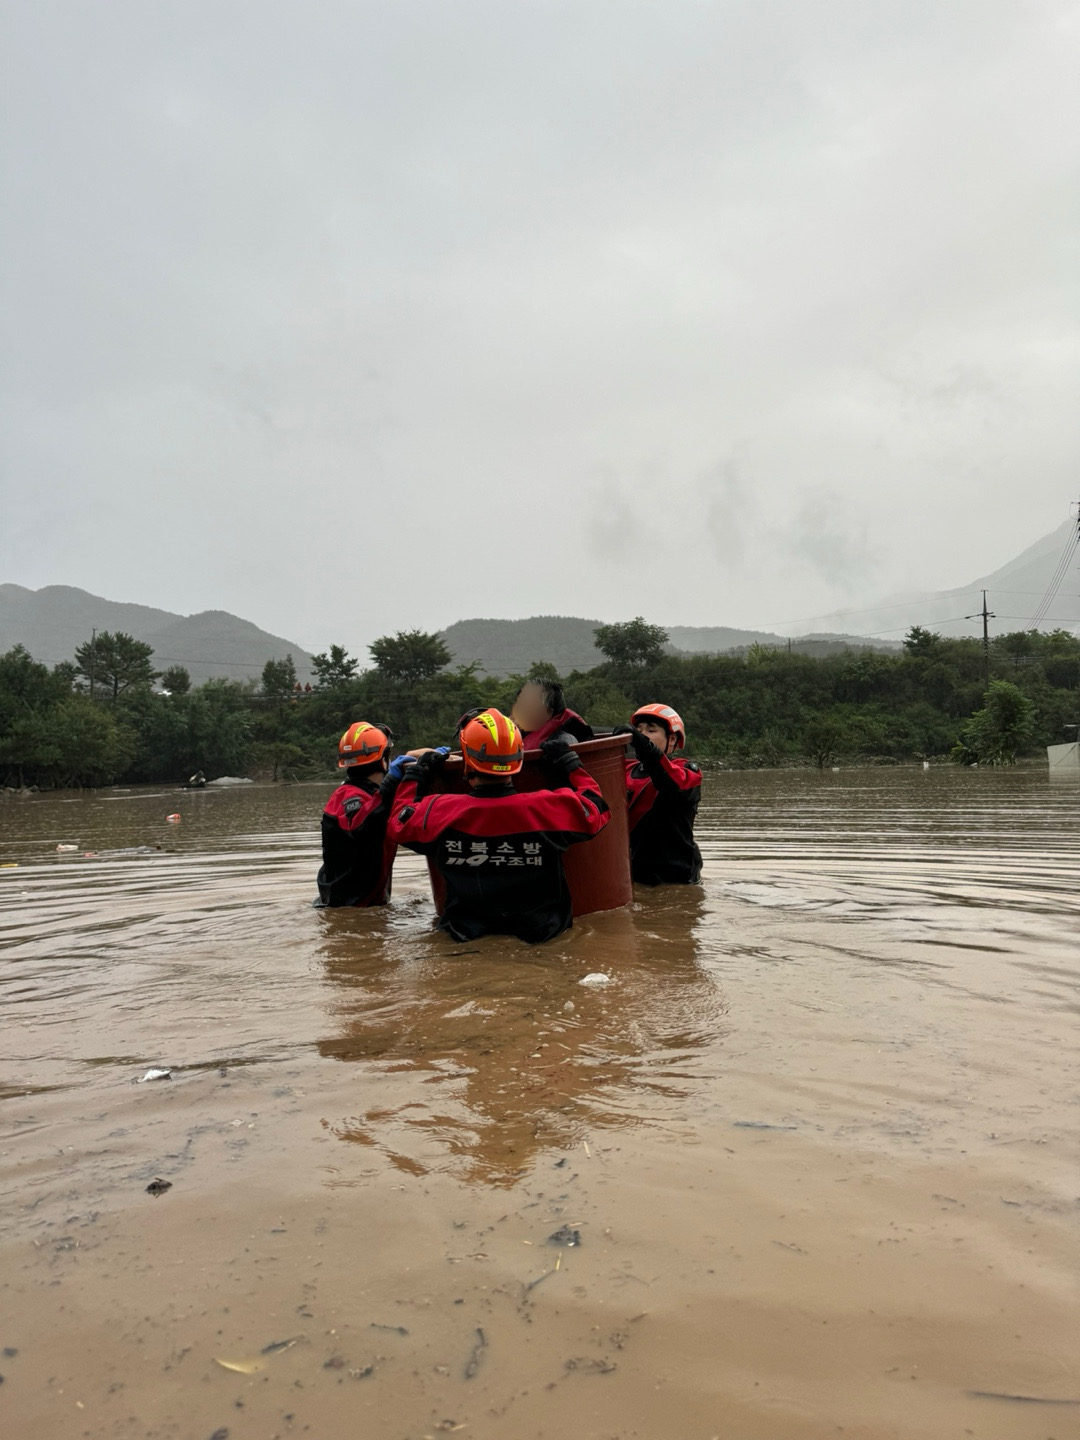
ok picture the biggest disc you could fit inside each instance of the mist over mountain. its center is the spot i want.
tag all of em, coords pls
(1015, 591)
(52, 621)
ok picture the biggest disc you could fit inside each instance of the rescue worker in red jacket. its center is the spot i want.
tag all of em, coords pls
(540, 713)
(662, 794)
(499, 850)
(358, 856)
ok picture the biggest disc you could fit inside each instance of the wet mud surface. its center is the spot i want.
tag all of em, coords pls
(807, 1167)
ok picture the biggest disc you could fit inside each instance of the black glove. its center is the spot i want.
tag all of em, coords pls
(559, 756)
(425, 768)
(623, 730)
(643, 747)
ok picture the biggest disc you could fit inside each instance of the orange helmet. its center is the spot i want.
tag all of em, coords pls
(492, 744)
(363, 744)
(666, 716)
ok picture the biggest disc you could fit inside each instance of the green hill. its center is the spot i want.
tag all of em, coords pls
(509, 647)
(52, 621)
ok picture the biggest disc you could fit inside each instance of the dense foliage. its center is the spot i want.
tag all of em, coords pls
(765, 707)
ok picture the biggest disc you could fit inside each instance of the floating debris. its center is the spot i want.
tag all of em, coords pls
(565, 1237)
(597, 977)
(1019, 1399)
(472, 1365)
(390, 1329)
(241, 1367)
(760, 1125)
(276, 1346)
(336, 1362)
(158, 1186)
(66, 849)
(362, 1374)
(587, 1365)
(173, 819)
(156, 1074)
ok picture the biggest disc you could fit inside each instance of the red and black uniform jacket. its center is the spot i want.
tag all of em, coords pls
(500, 852)
(662, 799)
(358, 855)
(566, 720)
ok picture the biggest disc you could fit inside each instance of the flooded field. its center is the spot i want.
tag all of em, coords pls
(808, 1167)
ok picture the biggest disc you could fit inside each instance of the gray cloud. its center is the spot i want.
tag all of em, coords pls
(725, 505)
(826, 538)
(486, 269)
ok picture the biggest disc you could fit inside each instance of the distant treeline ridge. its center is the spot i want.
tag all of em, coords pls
(108, 715)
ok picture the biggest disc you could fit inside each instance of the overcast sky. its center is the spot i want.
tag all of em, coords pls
(351, 317)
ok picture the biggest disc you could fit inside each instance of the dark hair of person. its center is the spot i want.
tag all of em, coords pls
(552, 691)
(469, 715)
(364, 772)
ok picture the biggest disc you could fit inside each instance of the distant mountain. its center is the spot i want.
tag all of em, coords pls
(509, 647)
(1014, 592)
(715, 639)
(52, 621)
(721, 640)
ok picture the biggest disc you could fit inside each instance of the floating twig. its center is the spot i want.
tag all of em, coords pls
(472, 1365)
(1019, 1399)
(760, 1125)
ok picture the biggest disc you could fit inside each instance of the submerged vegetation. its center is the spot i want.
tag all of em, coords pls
(99, 719)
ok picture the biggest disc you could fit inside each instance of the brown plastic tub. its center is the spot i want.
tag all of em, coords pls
(597, 870)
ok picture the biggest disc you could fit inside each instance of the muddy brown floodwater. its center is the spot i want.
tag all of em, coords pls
(817, 1140)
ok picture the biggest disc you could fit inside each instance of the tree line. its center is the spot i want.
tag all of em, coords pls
(108, 715)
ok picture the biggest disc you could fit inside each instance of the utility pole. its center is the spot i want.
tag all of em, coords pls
(93, 657)
(986, 616)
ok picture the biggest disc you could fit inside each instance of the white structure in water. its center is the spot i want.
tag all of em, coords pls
(1064, 757)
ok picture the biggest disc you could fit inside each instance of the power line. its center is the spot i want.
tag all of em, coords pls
(902, 629)
(192, 660)
(1020, 592)
(892, 605)
(1060, 571)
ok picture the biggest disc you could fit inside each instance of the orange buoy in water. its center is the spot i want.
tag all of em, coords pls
(173, 819)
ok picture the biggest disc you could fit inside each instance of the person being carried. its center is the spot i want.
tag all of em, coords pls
(662, 794)
(499, 851)
(358, 856)
(539, 711)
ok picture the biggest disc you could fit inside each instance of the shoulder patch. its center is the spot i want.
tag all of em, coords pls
(693, 765)
(406, 814)
(352, 805)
